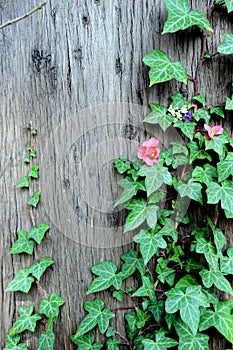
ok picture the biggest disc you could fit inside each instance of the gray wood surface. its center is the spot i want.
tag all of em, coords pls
(75, 69)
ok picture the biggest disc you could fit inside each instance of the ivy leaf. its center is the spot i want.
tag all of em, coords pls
(162, 69)
(178, 101)
(201, 99)
(180, 17)
(205, 174)
(156, 176)
(23, 182)
(169, 229)
(121, 166)
(229, 102)
(130, 189)
(165, 274)
(221, 319)
(149, 244)
(197, 153)
(112, 344)
(131, 264)
(34, 200)
(157, 310)
(226, 263)
(218, 111)
(46, 340)
(210, 277)
(207, 248)
(226, 47)
(37, 233)
(142, 318)
(38, 268)
(86, 342)
(215, 192)
(106, 270)
(219, 240)
(192, 190)
(186, 128)
(27, 158)
(159, 116)
(26, 321)
(50, 307)
(229, 5)
(22, 282)
(188, 341)
(179, 147)
(161, 343)
(131, 326)
(140, 212)
(118, 295)
(225, 167)
(23, 244)
(12, 343)
(147, 289)
(217, 144)
(189, 303)
(201, 114)
(33, 172)
(97, 315)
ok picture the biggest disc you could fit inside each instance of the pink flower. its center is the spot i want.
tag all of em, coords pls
(213, 130)
(148, 152)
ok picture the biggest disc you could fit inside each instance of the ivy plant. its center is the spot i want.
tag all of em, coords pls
(180, 269)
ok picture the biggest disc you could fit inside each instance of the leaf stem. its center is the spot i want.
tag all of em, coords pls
(124, 338)
(24, 16)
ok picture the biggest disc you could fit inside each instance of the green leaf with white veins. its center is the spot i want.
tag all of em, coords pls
(202, 114)
(86, 342)
(215, 192)
(192, 190)
(38, 268)
(186, 128)
(226, 47)
(210, 277)
(112, 344)
(24, 182)
(159, 116)
(225, 167)
(106, 270)
(156, 176)
(161, 343)
(50, 307)
(180, 17)
(12, 343)
(217, 144)
(189, 303)
(22, 281)
(197, 153)
(219, 241)
(207, 248)
(23, 244)
(147, 289)
(26, 320)
(97, 315)
(205, 174)
(221, 319)
(229, 5)
(37, 233)
(162, 69)
(188, 341)
(33, 172)
(131, 264)
(229, 102)
(46, 340)
(226, 263)
(149, 242)
(34, 200)
(130, 189)
(140, 212)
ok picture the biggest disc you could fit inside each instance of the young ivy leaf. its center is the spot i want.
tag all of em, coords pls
(112, 344)
(38, 268)
(131, 264)
(221, 319)
(147, 289)
(156, 176)
(50, 307)
(23, 244)
(226, 47)
(189, 341)
(37, 233)
(106, 270)
(97, 315)
(26, 321)
(210, 277)
(24, 182)
(161, 343)
(22, 281)
(33, 172)
(197, 153)
(12, 343)
(206, 174)
(46, 340)
(34, 200)
(207, 248)
(225, 167)
(162, 69)
(86, 342)
(201, 99)
(159, 116)
(27, 158)
(130, 189)
(180, 17)
(189, 303)
(192, 190)
(149, 242)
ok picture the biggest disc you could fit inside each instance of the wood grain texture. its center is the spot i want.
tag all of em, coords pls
(75, 69)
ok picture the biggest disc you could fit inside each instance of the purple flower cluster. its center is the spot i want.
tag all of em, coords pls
(187, 117)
